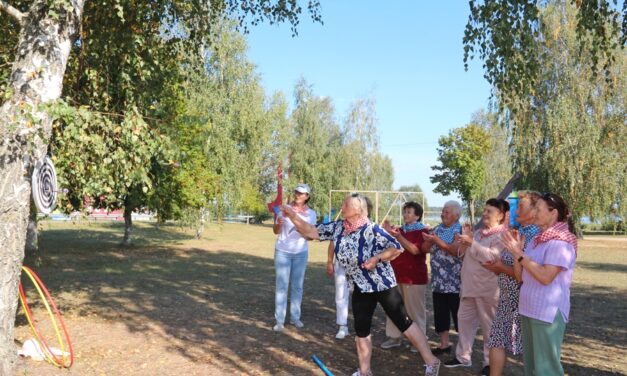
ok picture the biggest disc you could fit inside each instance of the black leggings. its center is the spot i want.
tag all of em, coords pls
(445, 305)
(364, 305)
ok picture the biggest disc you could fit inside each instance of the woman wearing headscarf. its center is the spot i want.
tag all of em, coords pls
(479, 291)
(505, 333)
(365, 250)
(410, 269)
(446, 266)
(546, 270)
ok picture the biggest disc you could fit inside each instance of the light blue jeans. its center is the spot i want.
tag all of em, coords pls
(290, 270)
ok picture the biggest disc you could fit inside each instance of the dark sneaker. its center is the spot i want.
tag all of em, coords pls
(456, 363)
(485, 371)
(439, 351)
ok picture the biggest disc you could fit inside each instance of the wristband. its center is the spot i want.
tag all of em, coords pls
(521, 258)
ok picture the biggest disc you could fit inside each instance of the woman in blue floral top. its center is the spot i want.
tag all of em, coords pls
(446, 266)
(365, 250)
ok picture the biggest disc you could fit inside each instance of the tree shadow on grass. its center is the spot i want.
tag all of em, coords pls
(210, 306)
(107, 235)
(602, 266)
(596, 334)
(216, 307)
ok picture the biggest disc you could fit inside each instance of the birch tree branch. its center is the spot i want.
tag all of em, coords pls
(11, 11)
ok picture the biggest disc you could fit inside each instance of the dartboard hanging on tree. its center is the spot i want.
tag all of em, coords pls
(44, 185)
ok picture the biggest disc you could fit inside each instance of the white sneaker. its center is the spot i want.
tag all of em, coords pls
(297, 323)
(357, 373)
(278, 327)
(342, 333)
(432, 369)
(391, 342)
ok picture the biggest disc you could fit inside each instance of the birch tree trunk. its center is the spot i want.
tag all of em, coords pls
(128, 225)
(32, 232)
(37, 78)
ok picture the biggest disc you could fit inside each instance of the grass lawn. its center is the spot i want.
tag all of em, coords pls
(173, 305)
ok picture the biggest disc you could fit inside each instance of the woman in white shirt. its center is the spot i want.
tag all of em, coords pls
(290, 259)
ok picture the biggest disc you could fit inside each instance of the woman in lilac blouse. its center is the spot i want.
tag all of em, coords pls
(546, 270)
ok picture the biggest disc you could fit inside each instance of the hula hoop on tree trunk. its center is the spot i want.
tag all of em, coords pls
(55, 318)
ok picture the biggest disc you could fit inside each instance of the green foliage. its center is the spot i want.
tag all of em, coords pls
(505, 34)
(462, 166)
(327, 156)
(315, 140)
(497, 159)
(570, 137)
(363, 167)
(133, 59)
(102, 159)
(253, 203)
(230, 136)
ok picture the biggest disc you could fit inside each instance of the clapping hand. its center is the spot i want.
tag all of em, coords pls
(494, 266)
(392, 230)
(467, 229)
(465, 238)
(513, 241)
(430, 237)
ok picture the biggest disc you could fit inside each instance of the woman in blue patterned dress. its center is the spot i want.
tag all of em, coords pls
(446, 266)
(365, 250)
(505, 333)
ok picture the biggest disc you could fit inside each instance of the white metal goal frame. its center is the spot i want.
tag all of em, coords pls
(400, 197)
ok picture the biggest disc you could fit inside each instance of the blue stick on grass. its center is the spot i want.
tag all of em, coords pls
(321, 365)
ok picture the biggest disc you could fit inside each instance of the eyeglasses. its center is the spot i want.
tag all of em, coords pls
(297, 193)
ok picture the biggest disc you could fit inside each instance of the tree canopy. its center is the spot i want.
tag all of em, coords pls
(571, 137)
(462, 168)
(506, 35)
(122, 58)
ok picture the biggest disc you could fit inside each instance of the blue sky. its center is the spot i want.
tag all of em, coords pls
(406, 54)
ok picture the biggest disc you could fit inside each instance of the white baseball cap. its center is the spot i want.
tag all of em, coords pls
(303, 188)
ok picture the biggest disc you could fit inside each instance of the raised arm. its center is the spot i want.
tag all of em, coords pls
(307, 230)
(276, 226)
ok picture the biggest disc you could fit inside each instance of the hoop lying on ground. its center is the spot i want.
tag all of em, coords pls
(55, 318)
(321, 365)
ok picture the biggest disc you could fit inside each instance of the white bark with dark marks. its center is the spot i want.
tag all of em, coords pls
(37, 77)
(32, 232)
(128, 226)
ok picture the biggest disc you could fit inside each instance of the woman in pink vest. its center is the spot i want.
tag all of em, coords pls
(479, 290)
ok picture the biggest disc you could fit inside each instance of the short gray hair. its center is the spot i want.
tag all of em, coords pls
(457, 208)
(363, 203)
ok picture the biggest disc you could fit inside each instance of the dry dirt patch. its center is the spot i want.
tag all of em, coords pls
(173, 305)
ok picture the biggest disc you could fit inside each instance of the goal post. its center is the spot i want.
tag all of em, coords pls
(386, 204)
